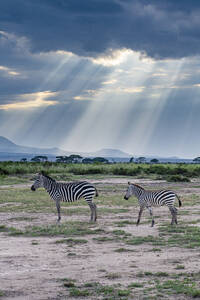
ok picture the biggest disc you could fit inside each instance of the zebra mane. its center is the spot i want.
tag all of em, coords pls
(138, 186)
(45, 175)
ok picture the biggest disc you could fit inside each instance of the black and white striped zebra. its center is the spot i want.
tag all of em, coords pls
(147, 199)
(68, 192)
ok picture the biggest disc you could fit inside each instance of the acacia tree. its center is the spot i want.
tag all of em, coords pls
(100, 160)
(196, 160)
(87, 160)
(24, 160)
(39, 158)
(75, 158)
(154, 161)
(141, 160)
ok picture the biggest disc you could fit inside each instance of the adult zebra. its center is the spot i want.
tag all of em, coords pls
(153, 198)
(68, 192)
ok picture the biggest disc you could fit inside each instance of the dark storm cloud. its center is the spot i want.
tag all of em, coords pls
(23, 73)
(162, 29)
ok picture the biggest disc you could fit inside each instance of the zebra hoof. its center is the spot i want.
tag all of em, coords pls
(152, 224)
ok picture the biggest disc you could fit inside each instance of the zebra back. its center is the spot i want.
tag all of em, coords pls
(73, 191)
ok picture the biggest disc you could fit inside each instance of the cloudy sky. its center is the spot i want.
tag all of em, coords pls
(85, 75)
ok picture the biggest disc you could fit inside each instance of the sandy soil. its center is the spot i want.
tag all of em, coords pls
(33, 268)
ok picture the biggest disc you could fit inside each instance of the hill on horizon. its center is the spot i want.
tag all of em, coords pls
(8, 146)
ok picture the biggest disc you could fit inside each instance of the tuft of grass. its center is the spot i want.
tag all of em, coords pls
(121, 233)
(76, 292)
(71, 254)
(155, 250)
(3, 228)
(135, 285)
(161, 274)
(103, 239)
(71, 241)
(180, 267)
(122, 250)
(113, 276)
(34, 243)
(68, 282)
(1, 293)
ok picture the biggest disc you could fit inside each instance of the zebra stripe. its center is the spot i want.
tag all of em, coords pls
(147, 199)
(68, 192)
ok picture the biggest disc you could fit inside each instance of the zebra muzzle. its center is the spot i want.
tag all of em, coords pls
(125, 198)
(32, 188)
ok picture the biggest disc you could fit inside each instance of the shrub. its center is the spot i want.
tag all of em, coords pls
(177, 178)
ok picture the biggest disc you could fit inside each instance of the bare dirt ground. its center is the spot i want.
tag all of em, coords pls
(35, 267)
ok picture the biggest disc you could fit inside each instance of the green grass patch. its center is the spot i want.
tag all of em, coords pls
(120, 233)
(9, 180)
(94, 290)
(76, 292)
(66, 229)
(138, 240)
(181, 236)
(21, 219)
(125, 223)
(185, 286)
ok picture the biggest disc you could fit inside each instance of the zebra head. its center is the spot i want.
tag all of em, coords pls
(129, 191)
(39, 182)
(133, 189)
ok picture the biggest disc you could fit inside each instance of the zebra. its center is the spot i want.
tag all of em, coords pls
(68, 192)
(153, 198)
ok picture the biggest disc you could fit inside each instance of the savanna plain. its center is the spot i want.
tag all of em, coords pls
(110, 259)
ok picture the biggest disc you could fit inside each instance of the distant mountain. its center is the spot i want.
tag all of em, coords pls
(7, 146)
(110, 153)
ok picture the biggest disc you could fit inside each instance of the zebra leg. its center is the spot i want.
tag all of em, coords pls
(95, 212)
(92, 211)
(139, 215)
(151, 214)
(175, 215)
(173, 211)
(58, 210)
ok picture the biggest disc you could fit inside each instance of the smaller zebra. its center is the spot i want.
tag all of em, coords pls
(153, 198)
(68, 192)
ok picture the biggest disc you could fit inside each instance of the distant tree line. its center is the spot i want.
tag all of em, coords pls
(75, 158)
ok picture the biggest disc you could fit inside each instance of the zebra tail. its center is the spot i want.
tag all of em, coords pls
(179, 201)
(97, 194)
